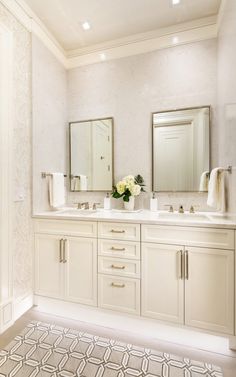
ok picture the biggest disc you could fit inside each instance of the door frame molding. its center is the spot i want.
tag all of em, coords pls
(6, 182)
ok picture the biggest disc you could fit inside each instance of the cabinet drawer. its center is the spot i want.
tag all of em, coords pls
(70, 228)
(122, 249)
(116, 293)
(119, 231)
(190, 236)
(117, 266)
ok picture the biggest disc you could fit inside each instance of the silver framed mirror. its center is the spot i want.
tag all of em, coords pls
(180, 149)
(91, 155)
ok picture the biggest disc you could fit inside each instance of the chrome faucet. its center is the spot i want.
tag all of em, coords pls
(85, 205)
(95, 206)
(181, 209)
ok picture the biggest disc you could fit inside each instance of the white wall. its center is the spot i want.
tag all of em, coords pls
(226, 101)
(130, 89)
(50, 121)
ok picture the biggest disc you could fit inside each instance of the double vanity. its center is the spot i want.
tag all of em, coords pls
(172, 267)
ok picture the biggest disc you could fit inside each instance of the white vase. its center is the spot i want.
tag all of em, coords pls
(129, 206)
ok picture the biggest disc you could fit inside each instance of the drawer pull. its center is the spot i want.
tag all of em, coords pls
(117, 231)
(118, 248)
(117, 267)
(118, 285)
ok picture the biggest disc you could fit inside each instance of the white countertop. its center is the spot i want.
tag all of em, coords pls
(205, 219)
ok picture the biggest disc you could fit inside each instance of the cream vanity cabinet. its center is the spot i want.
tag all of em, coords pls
(66, 260)
(119, 267)
(188, 276)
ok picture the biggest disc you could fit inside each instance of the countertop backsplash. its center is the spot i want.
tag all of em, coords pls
(187, 199)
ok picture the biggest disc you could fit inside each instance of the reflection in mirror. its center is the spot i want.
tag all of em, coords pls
(181, 156)
(91, 155)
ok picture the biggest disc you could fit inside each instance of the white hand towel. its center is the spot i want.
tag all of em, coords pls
(76, 183)
(204, 181)
(83, 183)
(57, 190)
(216, 190)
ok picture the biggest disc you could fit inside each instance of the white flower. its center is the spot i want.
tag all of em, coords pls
(121, 187)
(135, 190)
(129, 179)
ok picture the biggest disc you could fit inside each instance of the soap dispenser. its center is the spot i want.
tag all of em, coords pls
(107, 201)
(153, 202)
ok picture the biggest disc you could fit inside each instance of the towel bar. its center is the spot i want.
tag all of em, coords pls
(229, 169)
(45, 175)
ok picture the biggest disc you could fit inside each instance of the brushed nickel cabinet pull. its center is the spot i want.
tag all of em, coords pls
(118, 248)
(118, 285)
(186, 265)
(64, 250)
(117, 231)
(60, 251)
(180, 263)
(117, 267)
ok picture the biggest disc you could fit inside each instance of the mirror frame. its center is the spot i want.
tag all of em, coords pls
(174, 110)
(112, 157)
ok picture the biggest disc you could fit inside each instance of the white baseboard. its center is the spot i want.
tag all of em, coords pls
(143, 327)
(22, 304)
(232, 343)
(6, 315)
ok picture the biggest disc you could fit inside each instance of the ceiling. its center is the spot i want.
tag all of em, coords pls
(114, 19)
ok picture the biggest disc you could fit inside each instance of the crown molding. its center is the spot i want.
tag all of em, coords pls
(141, 37)
(18, 12)
(220, 14)
(197, 30)
(148, 45)
(32, 23)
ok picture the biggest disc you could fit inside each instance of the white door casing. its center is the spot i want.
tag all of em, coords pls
(6, 78)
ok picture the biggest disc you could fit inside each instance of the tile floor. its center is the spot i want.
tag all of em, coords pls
(227, 363)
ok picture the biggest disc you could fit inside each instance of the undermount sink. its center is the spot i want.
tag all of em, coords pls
(77, 212)
(219, 217)
(183, 216)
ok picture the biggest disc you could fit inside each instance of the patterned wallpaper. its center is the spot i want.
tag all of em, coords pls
(130, 89)
(226, 115)
(22, 223)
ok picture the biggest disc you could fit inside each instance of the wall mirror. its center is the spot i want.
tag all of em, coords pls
(181, 152)
(91, 155)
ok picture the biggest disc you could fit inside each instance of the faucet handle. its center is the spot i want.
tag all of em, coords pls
(95, 206)
(171, 208)
(192, 208)
(79, 206)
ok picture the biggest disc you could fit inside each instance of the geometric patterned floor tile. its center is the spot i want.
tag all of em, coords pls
(45, 350)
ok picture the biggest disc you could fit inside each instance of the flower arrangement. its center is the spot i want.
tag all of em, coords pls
(128, 186)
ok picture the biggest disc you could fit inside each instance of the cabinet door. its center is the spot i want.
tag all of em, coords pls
(162, 286)
(81, 270)
(48, 268)
(209, 289)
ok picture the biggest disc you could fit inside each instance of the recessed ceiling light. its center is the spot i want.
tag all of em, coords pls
(103, 56)
(175, 40)
(86, 25)
(175, 2)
